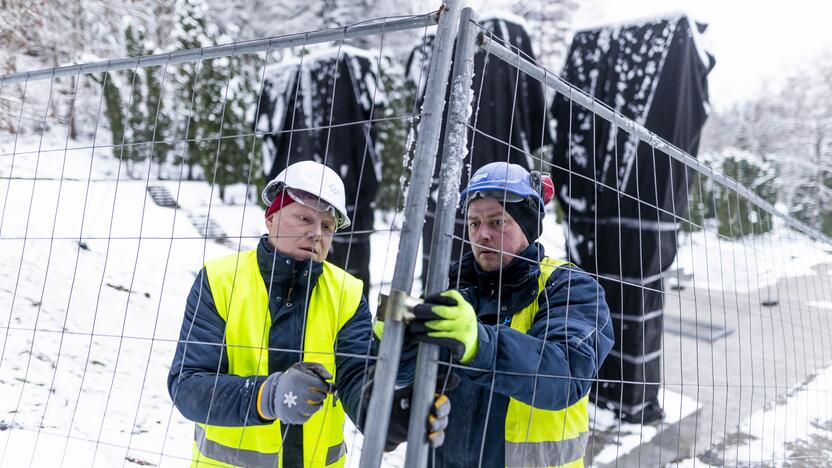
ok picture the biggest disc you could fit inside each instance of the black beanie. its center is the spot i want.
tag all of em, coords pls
(528, 217)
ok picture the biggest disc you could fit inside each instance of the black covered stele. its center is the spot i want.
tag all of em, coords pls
(622, 198)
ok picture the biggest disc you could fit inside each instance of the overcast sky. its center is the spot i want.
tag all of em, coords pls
(756, 43)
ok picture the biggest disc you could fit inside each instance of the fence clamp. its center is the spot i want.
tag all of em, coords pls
(397, 305)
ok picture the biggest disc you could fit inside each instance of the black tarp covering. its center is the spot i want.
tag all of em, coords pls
(508, 107)
(318, 108)
(624, 200)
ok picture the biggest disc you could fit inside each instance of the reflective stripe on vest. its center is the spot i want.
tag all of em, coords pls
(538, 437)
(547, 453)
(241, 299)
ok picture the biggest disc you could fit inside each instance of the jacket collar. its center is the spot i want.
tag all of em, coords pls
(514, 275)
(284, 271)
(519, 282)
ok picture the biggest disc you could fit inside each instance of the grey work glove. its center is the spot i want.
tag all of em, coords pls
(295, 395)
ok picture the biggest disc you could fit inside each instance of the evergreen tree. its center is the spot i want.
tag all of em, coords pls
(135, 149)
(789, 128)
(158, 125)
(826, 207)
(191, 33)
(736, 215)
(224, 94)
(112, 107)
(208, 116)
(393, 135)
(700, 202)
(338, 13)
(231, 164)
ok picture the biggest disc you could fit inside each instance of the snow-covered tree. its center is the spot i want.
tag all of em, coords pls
(136, 140)
(235, 161)
(215, 100)
(807, 125)
(700, 202)
(737, 216)
(113, 111)
(395, 134)
(189, 33)
(157, 128)
(789, 128)
(550, 25)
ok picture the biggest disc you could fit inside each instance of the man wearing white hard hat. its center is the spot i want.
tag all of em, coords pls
(274, 344)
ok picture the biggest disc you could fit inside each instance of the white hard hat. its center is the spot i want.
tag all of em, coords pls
(315, 179)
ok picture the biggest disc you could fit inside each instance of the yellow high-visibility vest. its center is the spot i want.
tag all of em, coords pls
(538, 437)
(241, 299)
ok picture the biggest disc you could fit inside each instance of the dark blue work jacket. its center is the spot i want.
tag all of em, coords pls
(573, 320)
(199, 383)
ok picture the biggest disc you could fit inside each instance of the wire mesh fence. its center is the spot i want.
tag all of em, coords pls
(690, 325)
(105, 231)
(723, 333)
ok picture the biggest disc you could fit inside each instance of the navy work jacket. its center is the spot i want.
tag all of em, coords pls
(572, 328)
(199, 383)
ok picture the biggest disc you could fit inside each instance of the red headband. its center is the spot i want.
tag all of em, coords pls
(548, 189)
(281, 199)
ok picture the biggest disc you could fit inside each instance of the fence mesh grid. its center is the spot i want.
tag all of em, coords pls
(103, 239)
(743, 352)
(98, 263)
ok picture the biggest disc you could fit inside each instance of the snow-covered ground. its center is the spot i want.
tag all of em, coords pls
(627, 437)
(713, 262)
(107, 317)
(794, 429)
(87, 334)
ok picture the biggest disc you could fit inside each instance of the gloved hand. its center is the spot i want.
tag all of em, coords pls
(408, 345)
(295, 395)
(447, 319)
(400, 412)
(438, 420)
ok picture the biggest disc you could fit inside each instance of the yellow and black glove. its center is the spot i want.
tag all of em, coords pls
(447, 319)
(437, 419)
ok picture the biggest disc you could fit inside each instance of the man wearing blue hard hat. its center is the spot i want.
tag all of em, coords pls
(530, 332)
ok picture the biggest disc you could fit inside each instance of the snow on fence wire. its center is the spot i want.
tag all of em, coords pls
(729, 332)
(119, 187)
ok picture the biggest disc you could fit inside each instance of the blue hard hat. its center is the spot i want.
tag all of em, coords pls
(504, 182)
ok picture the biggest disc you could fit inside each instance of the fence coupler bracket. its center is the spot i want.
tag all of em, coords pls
(397, 305)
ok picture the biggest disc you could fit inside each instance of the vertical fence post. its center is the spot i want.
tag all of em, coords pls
(424, 160)
(453, 155)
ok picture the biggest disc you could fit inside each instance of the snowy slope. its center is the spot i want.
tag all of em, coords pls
(119, 304)
(102, 382)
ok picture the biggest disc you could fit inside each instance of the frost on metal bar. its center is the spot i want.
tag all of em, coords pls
(212, 52)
